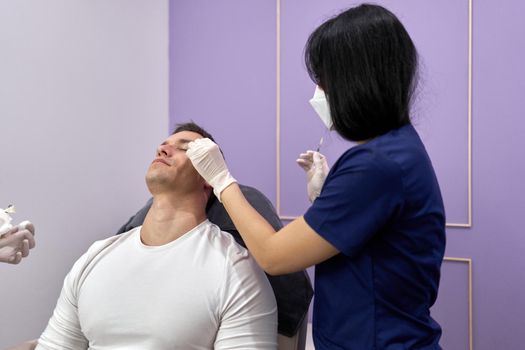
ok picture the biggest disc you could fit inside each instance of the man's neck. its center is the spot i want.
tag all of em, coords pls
(170, 217)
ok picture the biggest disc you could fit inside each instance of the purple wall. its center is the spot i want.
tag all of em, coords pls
(223, 75)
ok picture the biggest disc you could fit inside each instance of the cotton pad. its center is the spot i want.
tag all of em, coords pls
(5, 219)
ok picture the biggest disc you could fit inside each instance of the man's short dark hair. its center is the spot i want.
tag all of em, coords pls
(191, 126)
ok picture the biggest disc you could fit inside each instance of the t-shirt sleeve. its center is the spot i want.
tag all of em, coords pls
(360, 195)
(63, 329)
(248, 311)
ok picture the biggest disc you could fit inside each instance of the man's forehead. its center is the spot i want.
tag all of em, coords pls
(183, 137)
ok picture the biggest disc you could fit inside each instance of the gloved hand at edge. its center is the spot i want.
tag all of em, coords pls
(16, 242)
(207, 159)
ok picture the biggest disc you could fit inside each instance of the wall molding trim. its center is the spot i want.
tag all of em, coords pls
(467, 261)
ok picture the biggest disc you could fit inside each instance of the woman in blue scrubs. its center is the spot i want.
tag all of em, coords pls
(376, 230)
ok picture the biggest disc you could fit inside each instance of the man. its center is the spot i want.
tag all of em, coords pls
(176, 282)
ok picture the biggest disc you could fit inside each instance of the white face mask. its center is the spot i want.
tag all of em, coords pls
(320, 105)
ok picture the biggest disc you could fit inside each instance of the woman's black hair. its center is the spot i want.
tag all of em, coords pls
(366, 63)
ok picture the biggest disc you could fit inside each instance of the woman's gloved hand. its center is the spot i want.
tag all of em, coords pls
(207, 159)
(316, 168)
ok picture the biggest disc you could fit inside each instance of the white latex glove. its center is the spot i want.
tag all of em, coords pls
(207, 159)
(316, 168)
(16, 242)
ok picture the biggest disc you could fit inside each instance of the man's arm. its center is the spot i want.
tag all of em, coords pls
(28, 345)
(248, 318)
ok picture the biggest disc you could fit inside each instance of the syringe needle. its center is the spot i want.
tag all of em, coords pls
(320, 144)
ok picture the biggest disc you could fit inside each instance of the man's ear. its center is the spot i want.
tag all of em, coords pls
(208, 189)
(211, 196)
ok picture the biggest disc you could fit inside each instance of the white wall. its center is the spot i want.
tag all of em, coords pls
(83, 103)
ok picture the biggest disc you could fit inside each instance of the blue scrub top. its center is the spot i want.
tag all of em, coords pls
(381, 207)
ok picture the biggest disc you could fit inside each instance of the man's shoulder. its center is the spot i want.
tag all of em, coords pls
(238, 267)
(223, 243)
(103, 243)
(98, 247)
(83, 266)
(220, 239)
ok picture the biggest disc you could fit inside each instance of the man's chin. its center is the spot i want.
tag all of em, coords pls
(156, 182)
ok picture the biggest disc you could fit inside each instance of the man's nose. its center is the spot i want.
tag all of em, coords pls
(163, 151)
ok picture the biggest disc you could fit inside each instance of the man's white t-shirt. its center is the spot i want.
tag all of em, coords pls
(200, 291)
